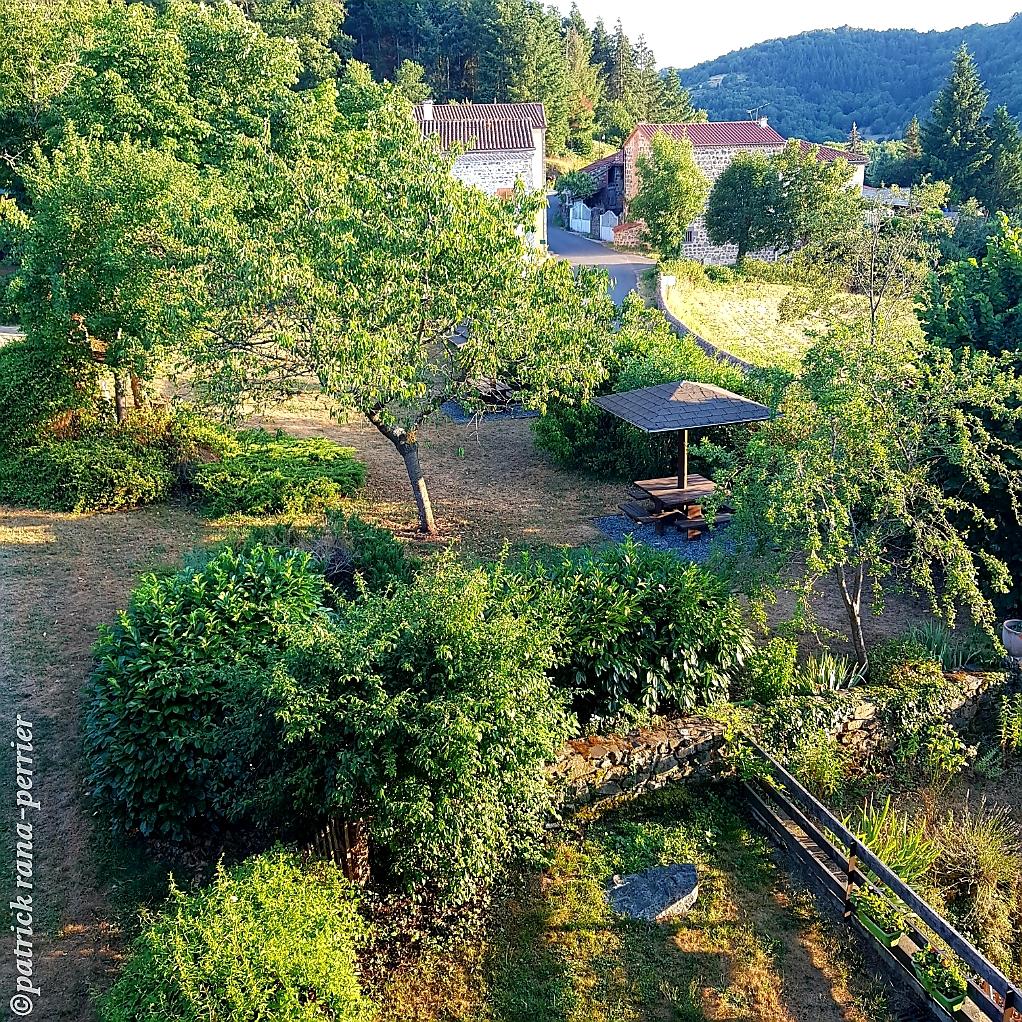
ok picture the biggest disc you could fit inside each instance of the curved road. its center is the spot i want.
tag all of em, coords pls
(624, 267)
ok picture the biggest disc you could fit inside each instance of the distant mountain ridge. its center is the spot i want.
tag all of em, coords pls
(816, 83)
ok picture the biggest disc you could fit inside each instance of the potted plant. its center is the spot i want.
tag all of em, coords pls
(942, 976)
(879, 916)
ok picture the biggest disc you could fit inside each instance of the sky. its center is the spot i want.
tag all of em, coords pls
(683, 33)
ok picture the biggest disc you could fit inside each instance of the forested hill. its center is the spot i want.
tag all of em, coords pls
(815, 84)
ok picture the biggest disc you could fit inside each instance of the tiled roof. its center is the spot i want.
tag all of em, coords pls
(606, 161)
(829, 153)
(482, 136)
(717, 133)
(533, 114)
(669, 407)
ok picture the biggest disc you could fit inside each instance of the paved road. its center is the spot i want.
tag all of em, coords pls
(624, 268)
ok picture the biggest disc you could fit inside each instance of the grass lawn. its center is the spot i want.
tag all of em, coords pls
(744, 318)
(753, 948)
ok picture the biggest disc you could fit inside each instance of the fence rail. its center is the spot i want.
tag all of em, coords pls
(838, 858)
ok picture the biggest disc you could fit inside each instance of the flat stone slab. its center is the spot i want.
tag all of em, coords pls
(656, 894)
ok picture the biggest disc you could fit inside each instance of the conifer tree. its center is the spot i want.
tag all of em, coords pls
(1003, 191)
(854, 139)
(913, 147)
(956, 138)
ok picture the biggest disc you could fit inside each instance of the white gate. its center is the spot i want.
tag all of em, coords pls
(579, 217)
(608, 221)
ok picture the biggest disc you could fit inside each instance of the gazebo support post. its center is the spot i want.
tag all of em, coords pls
(683, 459)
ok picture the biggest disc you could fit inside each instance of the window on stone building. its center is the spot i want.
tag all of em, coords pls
(690, 236)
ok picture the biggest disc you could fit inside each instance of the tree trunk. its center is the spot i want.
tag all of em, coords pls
(410, 453)
(119, 408)
(408, 447)
(137, 397)
(853, 607)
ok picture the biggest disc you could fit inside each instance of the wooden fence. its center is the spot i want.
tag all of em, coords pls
(837, 858)
(346, 843)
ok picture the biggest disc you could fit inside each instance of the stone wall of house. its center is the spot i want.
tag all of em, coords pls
(595, 769)
(493, 171)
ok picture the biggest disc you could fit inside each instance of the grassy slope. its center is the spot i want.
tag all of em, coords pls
(750, 949)
(744, 318)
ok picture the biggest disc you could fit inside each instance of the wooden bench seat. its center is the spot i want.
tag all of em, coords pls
(641, 515)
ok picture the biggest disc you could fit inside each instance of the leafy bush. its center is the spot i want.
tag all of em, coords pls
(954, 652)
(899, 843)
(165, 672)
(820, 762)
(270, 939)
(1009, 723)
(43, 389)
(95, 472)
(770, 671)
(278, 473)
(945, 755)
(577, 183)
(639, 627)
(902, 661)
(430, 713)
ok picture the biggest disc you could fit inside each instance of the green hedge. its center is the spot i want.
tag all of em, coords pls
(161, 757)
(274, 473)
(271, 939)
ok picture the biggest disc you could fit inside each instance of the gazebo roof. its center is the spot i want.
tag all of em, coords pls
(669, 407)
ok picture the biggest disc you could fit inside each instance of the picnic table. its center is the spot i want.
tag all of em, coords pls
(662, 502)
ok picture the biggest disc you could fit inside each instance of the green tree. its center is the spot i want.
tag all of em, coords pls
(911, 138)
(585, 83)
(738, 211)
(410, 81)
(812, 204)
(956, 138)
(846, 482)
(672, 193)
(108, 257)
(1003, 188)
(393, 288)
(854, 139)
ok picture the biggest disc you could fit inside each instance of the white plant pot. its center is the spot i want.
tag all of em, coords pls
(1011, 636)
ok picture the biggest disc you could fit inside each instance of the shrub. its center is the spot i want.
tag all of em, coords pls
(430, 713)
(43, 388)
(165, 672)
(979, 874)
(770, 671)
(902, 661)
(945, 755)
(820, 762)
(278, 473)
(1009, 723)
(954, 652)
(640, 627)
(95, 472)
(647, 352)
(270, 939)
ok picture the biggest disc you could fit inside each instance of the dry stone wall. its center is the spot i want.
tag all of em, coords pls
(592, 770)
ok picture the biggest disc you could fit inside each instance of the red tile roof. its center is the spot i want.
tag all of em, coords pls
(534, 114)
(711, 134)
(481, 136)
(829, 153)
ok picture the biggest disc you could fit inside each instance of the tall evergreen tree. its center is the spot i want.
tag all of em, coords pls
(956, 138)
(585, 83)
(913, 145)
(854, 139)
(1003, 191)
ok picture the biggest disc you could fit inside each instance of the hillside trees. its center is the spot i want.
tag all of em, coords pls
(362, 296)
(672, 192)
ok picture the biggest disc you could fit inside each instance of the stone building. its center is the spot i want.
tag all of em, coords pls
(505, 143)
(714, 144)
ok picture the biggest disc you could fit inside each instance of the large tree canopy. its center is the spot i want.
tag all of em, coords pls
(392, 287)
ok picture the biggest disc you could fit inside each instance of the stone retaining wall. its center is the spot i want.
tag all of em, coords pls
(595, 769)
